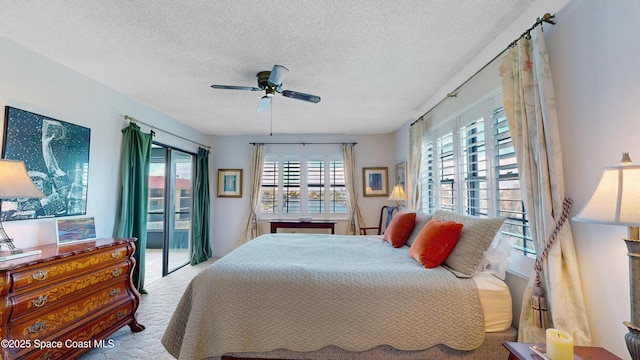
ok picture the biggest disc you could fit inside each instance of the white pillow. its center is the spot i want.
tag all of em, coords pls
(496, 258)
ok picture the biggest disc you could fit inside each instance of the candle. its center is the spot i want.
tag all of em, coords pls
(559, 345)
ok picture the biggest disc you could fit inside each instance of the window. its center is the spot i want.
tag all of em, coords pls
(469, 166)
(474, 169)
(509, 198)
(446, 171)
(303, 185)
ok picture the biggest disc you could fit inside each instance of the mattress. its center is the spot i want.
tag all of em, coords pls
(495, 299)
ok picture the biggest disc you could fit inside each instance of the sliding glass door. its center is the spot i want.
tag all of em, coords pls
(170, 207)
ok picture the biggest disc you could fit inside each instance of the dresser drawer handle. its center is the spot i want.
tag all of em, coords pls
(40, 275)
(113, 292)
(37, 326)
(120, 314)
(46, 356)
(116, 254)
(39, 301)
(116, 272)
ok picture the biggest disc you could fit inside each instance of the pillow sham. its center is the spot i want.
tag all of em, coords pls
(421, 221)
(496, 258)
(434, 242)
(475, 238)
(399, 228)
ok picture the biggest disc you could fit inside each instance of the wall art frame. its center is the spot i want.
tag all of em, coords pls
(56, 155)
(401, 174)
(375, 181)
(230, 183)
(72, 230)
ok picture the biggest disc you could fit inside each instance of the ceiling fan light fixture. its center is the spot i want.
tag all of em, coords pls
(271, 82)
(265, 101)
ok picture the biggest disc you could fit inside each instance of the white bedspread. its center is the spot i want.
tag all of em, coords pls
(305, 291)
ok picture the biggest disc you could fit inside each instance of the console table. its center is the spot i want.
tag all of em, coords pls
(299, 224)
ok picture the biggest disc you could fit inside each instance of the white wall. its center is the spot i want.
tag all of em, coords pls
(31, 82)
(593, 49)
(233, 152)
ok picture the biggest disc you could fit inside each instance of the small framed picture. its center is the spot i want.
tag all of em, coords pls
(75, 230)
(230, 183)
(375, 181)
(401, 174)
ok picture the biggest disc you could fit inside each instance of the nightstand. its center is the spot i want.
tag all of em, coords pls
(521, 351)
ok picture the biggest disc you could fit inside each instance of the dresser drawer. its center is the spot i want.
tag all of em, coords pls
(41, 326)
(84, 337)
(42, 299)
(60, 269)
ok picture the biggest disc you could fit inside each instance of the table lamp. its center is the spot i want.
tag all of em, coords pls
(398, 195)
(616, 201)
(15, 183)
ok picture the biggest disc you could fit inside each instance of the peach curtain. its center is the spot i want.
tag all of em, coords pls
(349, 163)
(255, 176)
(529, 104)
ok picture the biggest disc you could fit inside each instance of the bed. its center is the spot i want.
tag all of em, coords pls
(317, 296)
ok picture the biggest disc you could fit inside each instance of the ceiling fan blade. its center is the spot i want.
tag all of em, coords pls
(264, 103)
(233, 87)
(301, 96)
(278, 73)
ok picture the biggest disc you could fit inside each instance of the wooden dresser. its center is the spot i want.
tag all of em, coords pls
(67, 300)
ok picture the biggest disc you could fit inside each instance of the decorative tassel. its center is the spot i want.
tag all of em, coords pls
(539, 308)
(539, 305)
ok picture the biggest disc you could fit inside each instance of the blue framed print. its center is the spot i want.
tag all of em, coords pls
(230, 183)
(375, 181)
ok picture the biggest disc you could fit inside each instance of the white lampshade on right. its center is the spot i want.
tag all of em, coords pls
(616, 200)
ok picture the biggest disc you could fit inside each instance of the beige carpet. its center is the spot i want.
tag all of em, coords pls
(154, 313)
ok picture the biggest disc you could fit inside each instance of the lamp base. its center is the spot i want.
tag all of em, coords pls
(632, 339)
(7, 241)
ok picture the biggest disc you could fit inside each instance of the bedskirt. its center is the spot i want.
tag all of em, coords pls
(491, 349)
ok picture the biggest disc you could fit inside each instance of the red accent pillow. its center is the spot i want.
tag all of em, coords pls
(400, 228)
(434, 242)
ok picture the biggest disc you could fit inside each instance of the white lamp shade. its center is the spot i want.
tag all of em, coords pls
(616, 199)
(398, 193)
(15, 182)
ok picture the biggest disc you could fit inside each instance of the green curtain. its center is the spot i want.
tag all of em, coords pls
(131, 216)
(201, 208)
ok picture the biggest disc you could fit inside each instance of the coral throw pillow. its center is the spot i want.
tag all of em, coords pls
(434, 243)
(400, 228)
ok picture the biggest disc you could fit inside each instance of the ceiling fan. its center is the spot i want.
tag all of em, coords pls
(271, 82)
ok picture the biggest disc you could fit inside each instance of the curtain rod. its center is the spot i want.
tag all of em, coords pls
(303, 143)
(548, 18)
(127, 117)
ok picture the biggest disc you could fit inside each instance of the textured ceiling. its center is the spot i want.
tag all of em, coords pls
(374, 63)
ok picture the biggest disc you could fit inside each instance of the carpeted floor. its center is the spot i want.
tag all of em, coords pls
(155, 311)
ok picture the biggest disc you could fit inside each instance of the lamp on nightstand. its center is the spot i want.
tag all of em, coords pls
(616, 201)
(15, 183)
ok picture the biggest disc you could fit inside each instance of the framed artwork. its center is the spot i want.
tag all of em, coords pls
(75, 230)
(401, 174)
(230, 183)
(375, 181)
(56, 155)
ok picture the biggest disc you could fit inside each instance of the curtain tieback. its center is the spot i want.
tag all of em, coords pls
(539, 306)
